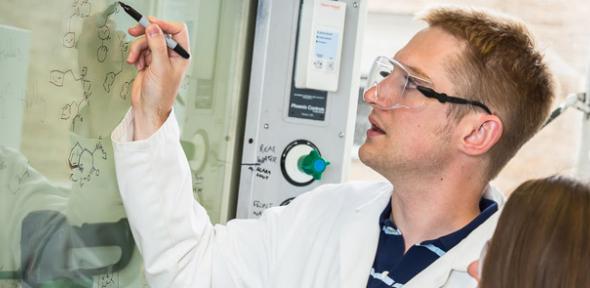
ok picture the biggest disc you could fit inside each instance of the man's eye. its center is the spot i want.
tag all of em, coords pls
(411, 83)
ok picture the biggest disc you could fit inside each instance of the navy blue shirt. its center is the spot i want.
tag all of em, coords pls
(393, 268)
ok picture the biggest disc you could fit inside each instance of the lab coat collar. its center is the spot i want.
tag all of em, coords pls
(359, 238)
(456, 260)
(495, 195)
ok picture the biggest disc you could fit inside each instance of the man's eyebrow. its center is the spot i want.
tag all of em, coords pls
(418, 72)
(414, 70)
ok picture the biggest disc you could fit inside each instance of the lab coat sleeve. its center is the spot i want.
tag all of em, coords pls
(179, 245)
(171, 230)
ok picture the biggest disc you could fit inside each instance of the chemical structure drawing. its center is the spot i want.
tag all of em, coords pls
(104, 34)
(103, 50)
(80, 9)
(107, 280)
(83, 162)
(124, 48)
(57, 77)
(126, 89)
(72, 109)
(198, 183)
(109, 80)
(16, 184)
(111, 76)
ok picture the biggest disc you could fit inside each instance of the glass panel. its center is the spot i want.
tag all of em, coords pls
(64, 86)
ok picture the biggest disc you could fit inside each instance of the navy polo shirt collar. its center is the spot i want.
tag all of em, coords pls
(486, 206)
(393, 267)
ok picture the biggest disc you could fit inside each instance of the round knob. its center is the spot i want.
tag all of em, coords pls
(313, 164)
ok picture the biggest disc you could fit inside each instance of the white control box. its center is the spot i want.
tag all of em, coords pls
(320, 45)
(286, 124)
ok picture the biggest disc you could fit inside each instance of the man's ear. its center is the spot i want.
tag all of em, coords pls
(481, 132)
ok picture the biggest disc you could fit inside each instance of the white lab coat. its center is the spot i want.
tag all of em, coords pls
(325, 238)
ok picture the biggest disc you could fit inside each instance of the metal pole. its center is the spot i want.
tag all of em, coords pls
(583, 165)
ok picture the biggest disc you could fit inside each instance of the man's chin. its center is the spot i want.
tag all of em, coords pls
(364, 154)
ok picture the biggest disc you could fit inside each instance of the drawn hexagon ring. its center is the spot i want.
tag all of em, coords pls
(101, 53)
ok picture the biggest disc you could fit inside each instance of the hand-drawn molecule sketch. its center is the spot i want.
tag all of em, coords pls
(66, 111)
(87, 87)
(126, 89)
(15, 185)
(198, 183)
(57, 77)
(107, 280)
(69, 39)
(72, 109)
(111, 76)
(104, 33)
(80, 9)
(83, 161)
(109, 80)
(124, 48)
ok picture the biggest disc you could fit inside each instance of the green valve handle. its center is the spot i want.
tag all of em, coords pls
(313, 164)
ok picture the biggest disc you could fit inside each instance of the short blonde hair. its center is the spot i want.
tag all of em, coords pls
(501, 67)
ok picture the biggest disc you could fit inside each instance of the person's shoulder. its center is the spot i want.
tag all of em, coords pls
(346, 194)
(331, 200)
(325, 206)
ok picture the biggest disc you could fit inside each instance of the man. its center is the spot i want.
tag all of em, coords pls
(438, 152)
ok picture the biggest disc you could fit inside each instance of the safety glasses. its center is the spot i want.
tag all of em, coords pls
(391, 85)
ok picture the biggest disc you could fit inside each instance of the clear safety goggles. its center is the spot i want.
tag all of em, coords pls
(391, 85)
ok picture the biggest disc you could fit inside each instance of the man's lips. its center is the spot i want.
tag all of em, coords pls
(375, 129)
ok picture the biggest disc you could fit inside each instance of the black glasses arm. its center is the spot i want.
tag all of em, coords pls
(443, 98)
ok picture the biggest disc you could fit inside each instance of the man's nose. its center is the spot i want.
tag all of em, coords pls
(370, 96)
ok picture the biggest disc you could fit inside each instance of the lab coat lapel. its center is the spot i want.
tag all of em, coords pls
(359, 237)
(439, 273)
(456, 260)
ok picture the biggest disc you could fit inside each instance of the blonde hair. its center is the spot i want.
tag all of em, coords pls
(501, 67)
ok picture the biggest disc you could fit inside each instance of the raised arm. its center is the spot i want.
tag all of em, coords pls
(160, 72)
(179, 245)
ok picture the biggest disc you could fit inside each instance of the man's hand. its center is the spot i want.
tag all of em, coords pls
(160, 72)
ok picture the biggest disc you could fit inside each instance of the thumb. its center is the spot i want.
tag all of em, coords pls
(157, 44)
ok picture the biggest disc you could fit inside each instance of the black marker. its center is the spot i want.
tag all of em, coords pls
(144, 22)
